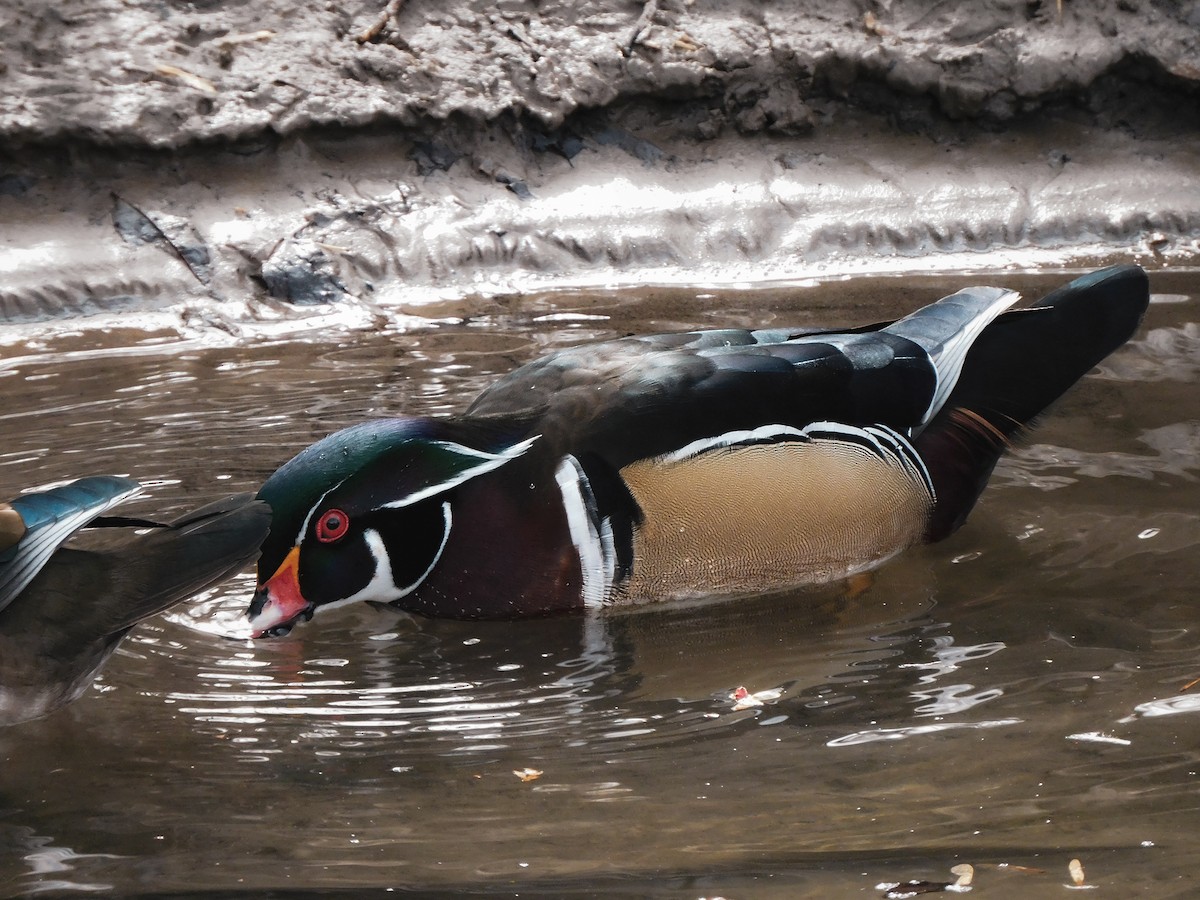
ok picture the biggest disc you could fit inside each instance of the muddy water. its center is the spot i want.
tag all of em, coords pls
(1011, 698)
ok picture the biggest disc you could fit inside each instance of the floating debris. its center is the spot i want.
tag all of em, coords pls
(528, 774)
(743, 699)
(965, 872)
(1025, 870)
(1075, 868)
(902, 890)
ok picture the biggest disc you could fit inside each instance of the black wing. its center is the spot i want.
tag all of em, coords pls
(639, 397)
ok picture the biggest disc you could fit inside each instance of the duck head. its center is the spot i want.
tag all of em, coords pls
(365, 514)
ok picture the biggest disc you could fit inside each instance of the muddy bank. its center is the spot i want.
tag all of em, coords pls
(149, 73)
(229, 167)
(378, 226)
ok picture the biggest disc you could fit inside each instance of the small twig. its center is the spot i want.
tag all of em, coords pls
(389, 12)
(184, 77)
(245, 38)
(159, 235)
(642, 25)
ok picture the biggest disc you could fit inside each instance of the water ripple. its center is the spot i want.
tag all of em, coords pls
(898, 734)
(1168, 706)
(387, 747)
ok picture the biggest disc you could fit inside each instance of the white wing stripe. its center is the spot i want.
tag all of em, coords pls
(591, 535)
(886, 443)
(758, 435)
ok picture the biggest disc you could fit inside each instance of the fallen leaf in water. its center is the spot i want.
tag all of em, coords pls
(1075, 867)
(902, 890)
(528, 774)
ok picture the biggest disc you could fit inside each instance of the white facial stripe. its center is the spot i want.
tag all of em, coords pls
(597, 556)
(312, 512)
(382, 588)
(487, 462)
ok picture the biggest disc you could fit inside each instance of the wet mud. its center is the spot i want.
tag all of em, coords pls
(149, 73)
(213, 166)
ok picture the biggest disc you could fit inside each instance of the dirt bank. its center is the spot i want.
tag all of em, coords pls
(226, 163)
(145, 72)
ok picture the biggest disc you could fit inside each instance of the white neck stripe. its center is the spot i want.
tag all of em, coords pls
(382, 587)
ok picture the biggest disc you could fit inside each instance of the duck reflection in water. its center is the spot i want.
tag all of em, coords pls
(64, 610)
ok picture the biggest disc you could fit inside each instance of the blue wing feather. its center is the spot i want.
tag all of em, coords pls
(50, 518)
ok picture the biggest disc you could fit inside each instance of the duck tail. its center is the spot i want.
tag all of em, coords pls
(1017, 366)
(947, 329)
(194, 552)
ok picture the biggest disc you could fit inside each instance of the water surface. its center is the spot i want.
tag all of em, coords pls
(1013, 697)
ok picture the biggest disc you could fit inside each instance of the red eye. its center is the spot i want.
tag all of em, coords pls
(332, 526)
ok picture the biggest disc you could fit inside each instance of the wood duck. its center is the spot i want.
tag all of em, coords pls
(672, 465)
(64, 610)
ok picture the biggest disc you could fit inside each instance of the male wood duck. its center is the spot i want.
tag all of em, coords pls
(64, 610)
(700, 463)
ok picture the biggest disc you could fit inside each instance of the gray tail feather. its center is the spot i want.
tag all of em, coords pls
(947, 329)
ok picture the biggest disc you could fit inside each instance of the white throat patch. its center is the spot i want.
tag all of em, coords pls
(382, 587)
